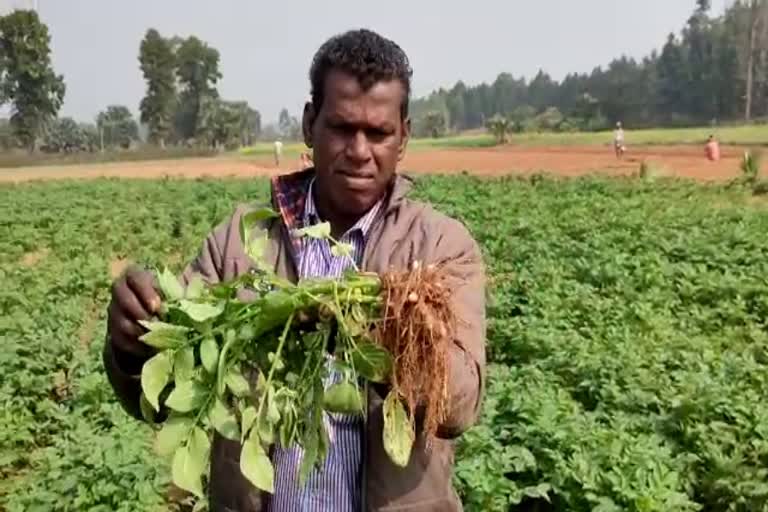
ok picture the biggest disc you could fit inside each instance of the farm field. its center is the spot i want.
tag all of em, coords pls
(627, 340)
(680, 161)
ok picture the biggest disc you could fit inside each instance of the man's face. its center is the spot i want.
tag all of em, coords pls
(358, 136)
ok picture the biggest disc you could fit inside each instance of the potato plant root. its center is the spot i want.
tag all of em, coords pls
(417, 328)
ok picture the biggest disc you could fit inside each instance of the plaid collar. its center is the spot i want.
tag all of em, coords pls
(292, 196)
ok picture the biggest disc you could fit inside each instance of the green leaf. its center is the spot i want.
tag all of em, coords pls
(209, 354)
(200, 311)
(343, 398)
(399, 432)
(155, 375)
(224, 421)
(195, 288)
(170, 285)
(163, 336)
(237, 383)
(257, 248)
(173, 433)
(248, 417)
(321, 231)
(190, 461)
(256, 466)
(250, 219)
(342, 249)
(146, 409)
(372, 362)
(540, 491)
(309, 458)
(187, 396)
(184, 364)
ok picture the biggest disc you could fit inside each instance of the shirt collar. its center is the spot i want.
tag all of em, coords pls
(311, 215)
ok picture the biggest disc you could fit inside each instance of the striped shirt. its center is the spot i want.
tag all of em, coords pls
(336, 485)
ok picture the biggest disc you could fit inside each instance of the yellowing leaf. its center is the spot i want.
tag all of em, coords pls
(342, 249)
(399, 433)
(224, 421)
(343, 398)
(209, 354)
(173, 433)
(163, 336)
(320, 231)
(195, 288)
(199, 311)
(190, 461)
(184, 364)
(237, 383)
(155, 375)
(170, 285)
(186, 396)
(248, 417)
(256, 466)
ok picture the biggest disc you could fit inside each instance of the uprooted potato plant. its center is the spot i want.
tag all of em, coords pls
(264, 371)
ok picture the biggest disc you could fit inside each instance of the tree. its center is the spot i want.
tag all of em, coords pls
(198, 73)
(288, 125)
(500, 127)
(64, 136)
(758, 16)
(27, 79)
(158, 64)
(434, 124)
(117, 127)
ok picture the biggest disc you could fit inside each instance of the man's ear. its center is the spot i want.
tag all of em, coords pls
(307, 120)
(406, 128)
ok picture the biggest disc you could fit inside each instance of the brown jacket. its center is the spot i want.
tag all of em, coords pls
(407, 231)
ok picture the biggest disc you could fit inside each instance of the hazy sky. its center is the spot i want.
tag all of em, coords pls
(266, 47)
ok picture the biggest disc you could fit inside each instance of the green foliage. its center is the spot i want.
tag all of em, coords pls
(626, 330)
(117, 126)
(500, 127)
(158, 62)
(197, 71)
(27, 79)
(750, 167)
(67, 136)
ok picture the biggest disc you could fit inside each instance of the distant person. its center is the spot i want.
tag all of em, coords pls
(278, 152)
(618, 141)
(713, 149)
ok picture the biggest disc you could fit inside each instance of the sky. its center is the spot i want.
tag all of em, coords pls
(266, 47)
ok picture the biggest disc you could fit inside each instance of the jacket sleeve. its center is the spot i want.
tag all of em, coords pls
(463, 262)
(123, 370)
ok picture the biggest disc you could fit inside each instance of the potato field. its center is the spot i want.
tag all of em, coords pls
(627, 339)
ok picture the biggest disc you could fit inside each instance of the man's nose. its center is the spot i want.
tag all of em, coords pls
(358, 147)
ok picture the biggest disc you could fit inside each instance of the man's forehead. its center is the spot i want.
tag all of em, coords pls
(344, 87)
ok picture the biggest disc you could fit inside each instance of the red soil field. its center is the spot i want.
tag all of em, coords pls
(679, 161)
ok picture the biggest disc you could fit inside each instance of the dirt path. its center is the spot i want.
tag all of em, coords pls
(682, 161)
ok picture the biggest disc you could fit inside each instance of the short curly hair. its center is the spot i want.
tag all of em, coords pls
(368, 56)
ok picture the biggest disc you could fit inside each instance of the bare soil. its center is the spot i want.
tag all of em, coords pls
(679, 161)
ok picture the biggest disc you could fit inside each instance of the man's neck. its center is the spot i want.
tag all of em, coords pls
(340, 224)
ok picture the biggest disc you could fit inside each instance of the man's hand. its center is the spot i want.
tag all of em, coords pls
(134, 298)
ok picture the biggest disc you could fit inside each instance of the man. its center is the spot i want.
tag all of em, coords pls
(618, 141)
(278, 152)
(712, 149)
(358, 128)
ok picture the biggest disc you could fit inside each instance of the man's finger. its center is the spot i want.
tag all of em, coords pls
(129, 304)
(142, 284)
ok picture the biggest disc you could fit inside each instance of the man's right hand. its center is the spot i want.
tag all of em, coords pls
(134, 298)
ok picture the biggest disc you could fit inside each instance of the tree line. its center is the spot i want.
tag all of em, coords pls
(714, 71)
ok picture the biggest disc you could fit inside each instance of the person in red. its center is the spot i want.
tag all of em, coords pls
(713, 149)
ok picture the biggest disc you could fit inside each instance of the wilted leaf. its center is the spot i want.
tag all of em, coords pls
(200, 311)
(170, 285)
(256, 466)
(155, 375)
(372, 362)
(173, 433)
(187, 396)
(163, 336)
(343, 398)
(224, 420)
(399, 432)
(209, 354)
(184, 364)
